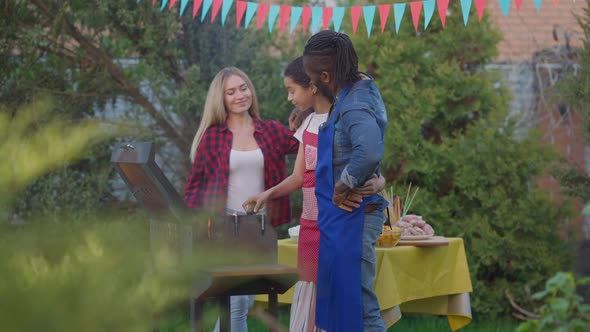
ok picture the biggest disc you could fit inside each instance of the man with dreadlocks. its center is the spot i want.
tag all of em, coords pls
(350, 150)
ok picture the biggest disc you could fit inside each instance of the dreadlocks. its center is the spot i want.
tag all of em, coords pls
(333, 52)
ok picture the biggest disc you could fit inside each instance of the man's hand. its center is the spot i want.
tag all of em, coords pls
(373, 186)
(340, 196)
(297, 116)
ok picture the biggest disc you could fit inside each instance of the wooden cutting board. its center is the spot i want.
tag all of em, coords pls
(435, 241)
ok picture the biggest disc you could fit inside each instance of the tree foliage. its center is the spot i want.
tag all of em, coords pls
(574, 90)
(131, 62)
(448, 134)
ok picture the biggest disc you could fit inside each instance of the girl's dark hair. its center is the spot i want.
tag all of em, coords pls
(333, 52)
(296, 72)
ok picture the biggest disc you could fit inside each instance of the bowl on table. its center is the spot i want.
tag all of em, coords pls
(389, 236)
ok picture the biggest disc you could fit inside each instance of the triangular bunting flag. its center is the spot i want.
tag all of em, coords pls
(295, 15)
(327, 16)
(225, 10)
(154, 2)
(183, 4)
(555, 2)
(262, 12)
(338, 15)
(398, 14)
(383, 14)
(518, 3)
(355, 13)
(305, 16)
(505, 6)
(206, 6)
(316, 19)
(250, 11)
(240, 10)
(172, 3)
(216, 8)
(442, 6)
(272, 16)
(196, 6)
(428, 12)
(415, 9)
(538, 4)
(164, 3)
(285, 13)
(479, 7)
(465, 8)
(369, 15)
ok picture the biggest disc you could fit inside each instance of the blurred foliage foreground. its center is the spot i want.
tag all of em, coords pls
(78, 275)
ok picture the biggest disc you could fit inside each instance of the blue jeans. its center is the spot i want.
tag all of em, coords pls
(371, 231)
(239, 306)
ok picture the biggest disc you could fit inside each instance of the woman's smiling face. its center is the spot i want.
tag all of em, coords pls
(237, 95)
(302, 98)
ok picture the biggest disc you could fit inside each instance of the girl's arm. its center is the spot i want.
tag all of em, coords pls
(287, 186)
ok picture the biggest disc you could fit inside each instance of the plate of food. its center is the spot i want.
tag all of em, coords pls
(416, 237)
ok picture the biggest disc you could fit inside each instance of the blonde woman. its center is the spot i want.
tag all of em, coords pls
(236, 155)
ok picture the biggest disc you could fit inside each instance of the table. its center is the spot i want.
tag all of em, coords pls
(424, 280)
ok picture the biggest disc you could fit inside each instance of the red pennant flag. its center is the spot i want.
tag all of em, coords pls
(285, 14)
(518, 3)
(215, 10)
(555, 2)
(305, 17)
(153, 2)
(240, 10)
(442, 5)
(327, 16)
(355, 12)
(416, 8)
(196, 5)
(262, 12)
(479, 7)
(173, 2)
(383, 14)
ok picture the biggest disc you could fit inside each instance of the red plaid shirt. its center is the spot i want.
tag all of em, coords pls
(209, 180)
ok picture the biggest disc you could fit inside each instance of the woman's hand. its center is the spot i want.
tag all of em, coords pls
(373, 186)
(256, 202)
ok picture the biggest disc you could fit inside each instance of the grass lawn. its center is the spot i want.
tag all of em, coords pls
(408, 323)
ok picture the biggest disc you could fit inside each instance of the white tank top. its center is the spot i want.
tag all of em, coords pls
(246, 177)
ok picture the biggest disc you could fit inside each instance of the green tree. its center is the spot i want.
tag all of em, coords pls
(574, 90)
(448, 134)
(153, 65)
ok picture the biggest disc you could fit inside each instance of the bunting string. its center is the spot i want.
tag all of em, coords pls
(314, 18)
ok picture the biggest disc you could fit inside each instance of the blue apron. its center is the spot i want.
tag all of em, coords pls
(339, 305)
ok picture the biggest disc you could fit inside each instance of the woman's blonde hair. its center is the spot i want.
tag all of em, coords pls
(214, 112)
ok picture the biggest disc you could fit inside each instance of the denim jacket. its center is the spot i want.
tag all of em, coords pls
(359, 136)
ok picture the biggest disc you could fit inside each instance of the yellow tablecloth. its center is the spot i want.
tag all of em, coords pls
(429, 280)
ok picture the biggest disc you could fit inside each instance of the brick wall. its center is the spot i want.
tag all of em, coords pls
(528, 30)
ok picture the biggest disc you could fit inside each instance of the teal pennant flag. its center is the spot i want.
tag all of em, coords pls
(369, 15)
(225, 10)
(465, 8)
(250, 11)
(398, 14)
(428, 11)
(273, 13)
(164, 3)
(337, 16)
(206, 6)
(316, 18)
(295, 16)
(538, 4)
(183, 4)
(505, 5)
